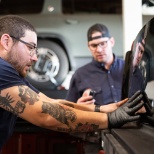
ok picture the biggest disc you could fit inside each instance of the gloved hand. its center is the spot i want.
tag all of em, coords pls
(126, 113)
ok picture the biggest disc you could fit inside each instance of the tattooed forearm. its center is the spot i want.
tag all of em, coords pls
(27, 95)
(81, 128)
(65, 116)
(6, 102)
(59, 113)
(86, 127)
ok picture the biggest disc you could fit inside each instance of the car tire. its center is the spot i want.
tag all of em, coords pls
(51, 68)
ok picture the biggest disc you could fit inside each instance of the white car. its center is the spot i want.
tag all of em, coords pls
(62, 34)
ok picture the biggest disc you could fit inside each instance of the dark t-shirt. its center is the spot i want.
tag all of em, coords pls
(9, 77)
(106, 83)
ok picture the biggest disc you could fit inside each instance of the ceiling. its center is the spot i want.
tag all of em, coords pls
(68, 6)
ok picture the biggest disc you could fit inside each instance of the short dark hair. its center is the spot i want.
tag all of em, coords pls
(15, 26)
(98, 28)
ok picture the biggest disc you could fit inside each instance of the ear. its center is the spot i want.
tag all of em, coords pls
(112, 41)
(6, 41)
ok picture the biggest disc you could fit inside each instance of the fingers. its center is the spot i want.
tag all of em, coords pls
(90, 102)
(134, 118)
(134, 101)
(122, 102)
(136, 108)
(86, 92)
(134, 96)
(86, 100)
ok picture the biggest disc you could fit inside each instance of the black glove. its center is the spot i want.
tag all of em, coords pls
(126, 113)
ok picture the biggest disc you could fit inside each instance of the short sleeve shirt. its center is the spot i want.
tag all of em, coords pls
(106, 83)
(9, 77)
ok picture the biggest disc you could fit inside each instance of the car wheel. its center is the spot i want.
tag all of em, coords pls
(51, 68)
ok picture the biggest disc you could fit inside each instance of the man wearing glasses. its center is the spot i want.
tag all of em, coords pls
(103, 75)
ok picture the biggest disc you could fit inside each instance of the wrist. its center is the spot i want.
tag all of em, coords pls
(97, 108)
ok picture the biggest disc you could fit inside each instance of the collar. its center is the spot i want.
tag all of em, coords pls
(101, 65)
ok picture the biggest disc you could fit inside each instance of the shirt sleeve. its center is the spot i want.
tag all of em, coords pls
(73, 93)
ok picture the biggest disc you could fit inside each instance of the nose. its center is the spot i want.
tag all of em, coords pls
(34, 57)
(99, 48)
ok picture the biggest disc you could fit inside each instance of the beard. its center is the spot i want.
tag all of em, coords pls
(17, 62)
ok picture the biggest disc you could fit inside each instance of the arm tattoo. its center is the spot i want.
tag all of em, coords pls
(86, 127)
(59, 113)
(27, 95)
(65, 116)
(6, 101)
(81, 128)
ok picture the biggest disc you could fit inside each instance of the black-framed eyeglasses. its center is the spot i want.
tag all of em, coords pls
(101, 44)
(32, 48)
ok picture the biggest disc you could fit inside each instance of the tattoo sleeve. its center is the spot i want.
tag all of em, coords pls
(66, 116)
(6, 102)
(27, 95)
(59, 113)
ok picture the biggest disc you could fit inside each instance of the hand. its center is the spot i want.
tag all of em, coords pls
(86, 98)
(111, 107)
(125, 113)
